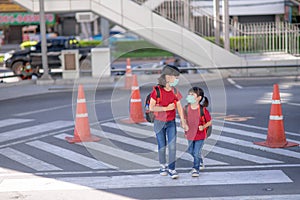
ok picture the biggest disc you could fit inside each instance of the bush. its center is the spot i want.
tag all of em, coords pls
(138, 49)
(88, 43)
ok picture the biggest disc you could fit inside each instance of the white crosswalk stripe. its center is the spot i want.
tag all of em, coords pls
(12, 121)
(224, 151)
(27, 160)
(244, 143)
(143, 181)
(69, 155)
(146, 133)
(33, 130)
(140, 131)
(116, 152)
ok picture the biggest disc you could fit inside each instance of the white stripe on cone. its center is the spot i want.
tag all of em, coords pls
(134, 87)
(81, 115)
(80, 100)
(275, 101)
(135, 100)
(276, 117)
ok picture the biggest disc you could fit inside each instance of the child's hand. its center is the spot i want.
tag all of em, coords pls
(184, 125)
(171, 106)
(201, 128)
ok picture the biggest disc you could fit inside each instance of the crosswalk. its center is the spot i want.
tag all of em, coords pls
(233, 149)
(129, 147)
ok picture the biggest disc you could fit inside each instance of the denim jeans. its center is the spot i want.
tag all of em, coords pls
(194, 149)
(166, 133)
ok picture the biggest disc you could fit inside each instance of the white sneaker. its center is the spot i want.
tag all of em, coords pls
(202, 166)
(173, 174)
(163, 170)
(195, 172)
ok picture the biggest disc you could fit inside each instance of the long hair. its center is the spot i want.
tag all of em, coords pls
(162, 80)
(200, 92)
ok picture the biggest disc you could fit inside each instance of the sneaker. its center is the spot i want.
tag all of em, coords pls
(195, 172)
(163, 170)
(202, 167)
(173, 173)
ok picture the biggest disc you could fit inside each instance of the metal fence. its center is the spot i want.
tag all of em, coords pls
(265, 37)
(244, 38)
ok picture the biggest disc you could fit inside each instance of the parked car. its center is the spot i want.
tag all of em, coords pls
(16, 59)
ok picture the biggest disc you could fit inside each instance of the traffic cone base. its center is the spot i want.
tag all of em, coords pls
(272, 145)
(82, 127)
(77, 140)
(276, 135)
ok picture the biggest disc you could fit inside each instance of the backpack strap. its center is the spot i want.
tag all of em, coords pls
(175, 90)
(157, 94)
(186, 107)
(202, 113)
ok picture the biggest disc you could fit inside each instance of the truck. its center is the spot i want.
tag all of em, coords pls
(15, 59)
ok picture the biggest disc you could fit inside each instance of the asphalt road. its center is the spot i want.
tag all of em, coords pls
(36, 159)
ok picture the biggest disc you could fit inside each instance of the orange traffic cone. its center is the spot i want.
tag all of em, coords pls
(276, 135)
(136, 109)
(128, 75)
(82, 127)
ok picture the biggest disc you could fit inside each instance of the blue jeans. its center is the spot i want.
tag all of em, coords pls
(195, 148)
(166, 133)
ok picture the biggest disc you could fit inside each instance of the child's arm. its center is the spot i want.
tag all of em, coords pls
(204, 126)
(181, 115)
(155, 108)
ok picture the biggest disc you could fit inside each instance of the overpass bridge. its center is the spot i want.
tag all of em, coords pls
(138, 17)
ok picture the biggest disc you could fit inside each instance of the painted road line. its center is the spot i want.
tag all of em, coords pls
(240, 155)
(69, 155)
(27, 160)
(234, 83)
(254, 127)
(243, 143)
(148, 146)
(145, 133)
(119, 153)
(185, 179)
(33, 130)
(253, 197)
(215, 149)
(143, 181)
(12, 121)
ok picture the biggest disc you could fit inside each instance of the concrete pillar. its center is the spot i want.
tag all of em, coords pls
(105, 31)
(101, 62)
(226, 24)
(70, 64)
(217, 21)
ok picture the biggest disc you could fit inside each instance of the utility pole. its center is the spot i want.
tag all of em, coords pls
(226, 25)
(104, 24)
(45, 75)
(217, 21)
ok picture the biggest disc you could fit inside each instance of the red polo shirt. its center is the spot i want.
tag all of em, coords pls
(194, 121)
(166, 97)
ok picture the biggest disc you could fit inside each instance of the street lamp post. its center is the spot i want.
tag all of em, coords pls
(45, 75)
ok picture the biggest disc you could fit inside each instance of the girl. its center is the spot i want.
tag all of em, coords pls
(195, 131)
(164, 108)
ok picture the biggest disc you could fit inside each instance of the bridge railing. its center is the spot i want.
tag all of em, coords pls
(244, 38)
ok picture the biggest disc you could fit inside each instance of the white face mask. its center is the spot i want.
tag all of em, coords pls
(174, 83)
(190, 99)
